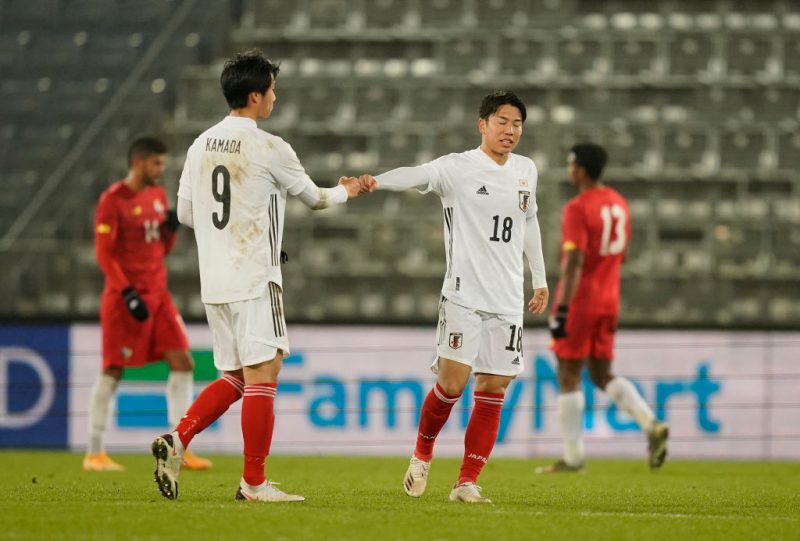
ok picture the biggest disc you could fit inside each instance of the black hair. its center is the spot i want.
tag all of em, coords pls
(491, 103)
(144, 146)
(246, 72)
(591, 157)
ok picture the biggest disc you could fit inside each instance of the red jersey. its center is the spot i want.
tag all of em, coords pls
(130, 242)
(597, 223)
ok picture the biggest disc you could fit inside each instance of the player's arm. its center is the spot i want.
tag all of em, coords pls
(404, 178)
(169, 226)
(185, 212)
(535, 256)
(290, 174)
(184, 209)
(106, 230)
(573, 247)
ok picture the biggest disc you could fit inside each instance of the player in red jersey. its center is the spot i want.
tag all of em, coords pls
(596, 229)
(134, 230)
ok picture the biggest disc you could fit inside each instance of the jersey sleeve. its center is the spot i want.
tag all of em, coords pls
(185, 183)
(106, 230)
(533, 251)
(291, 175)
(167, 237)
(573, 229)
(439, 181)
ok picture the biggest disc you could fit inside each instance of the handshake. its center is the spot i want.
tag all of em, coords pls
(355, 186)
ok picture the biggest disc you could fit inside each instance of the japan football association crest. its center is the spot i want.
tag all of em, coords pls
(456, 339)
(524, 200)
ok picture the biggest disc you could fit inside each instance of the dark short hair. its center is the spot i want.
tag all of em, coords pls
(591, 157)
(491, 103)
(144, 146)
(246, 72)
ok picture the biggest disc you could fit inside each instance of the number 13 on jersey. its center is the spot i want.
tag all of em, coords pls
(614, 219)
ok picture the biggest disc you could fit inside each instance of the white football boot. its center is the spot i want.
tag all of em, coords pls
(168, 452)
(416, 477)
(468, 493)
(265, 492)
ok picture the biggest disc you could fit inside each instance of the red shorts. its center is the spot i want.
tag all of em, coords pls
(587, 334)
(127, 342)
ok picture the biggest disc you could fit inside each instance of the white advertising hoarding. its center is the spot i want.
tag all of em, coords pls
(358, 390)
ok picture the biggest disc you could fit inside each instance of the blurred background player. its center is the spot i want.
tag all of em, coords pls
(596, 229)
(134, 230)
(233, 193)
(489, 200)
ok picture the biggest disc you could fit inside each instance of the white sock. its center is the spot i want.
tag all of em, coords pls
(180, 387)
(624, 393)
(99, 399)
(570, 416)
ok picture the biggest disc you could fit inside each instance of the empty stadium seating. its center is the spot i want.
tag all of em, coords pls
(697, 103)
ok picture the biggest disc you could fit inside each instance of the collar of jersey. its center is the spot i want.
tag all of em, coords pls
(489, 160)
(241, 120)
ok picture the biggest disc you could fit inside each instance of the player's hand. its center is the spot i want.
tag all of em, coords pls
(538, 302)
(352, 185)
(171, 222)
(368, 183)
(135, 304)
(558, 322)
(284, 257)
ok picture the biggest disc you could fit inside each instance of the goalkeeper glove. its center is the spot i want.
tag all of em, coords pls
(284, 257)
(558, 322)
(135, 304)
(171, 221)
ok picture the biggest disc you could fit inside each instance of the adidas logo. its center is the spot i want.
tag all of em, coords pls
(515, 361)
(482, 191)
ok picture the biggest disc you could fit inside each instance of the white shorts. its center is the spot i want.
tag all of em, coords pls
(489, 343)
(248, 332)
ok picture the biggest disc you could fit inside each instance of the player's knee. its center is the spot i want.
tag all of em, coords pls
(114, 372)
(569, 376)
(600, 375)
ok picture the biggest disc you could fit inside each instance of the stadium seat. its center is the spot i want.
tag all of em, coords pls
(521, 57)
(578, 57)
(634, 57)
(749, 54)
(386, 13)
(690, 54)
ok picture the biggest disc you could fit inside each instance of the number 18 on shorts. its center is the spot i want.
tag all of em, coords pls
(489, 343)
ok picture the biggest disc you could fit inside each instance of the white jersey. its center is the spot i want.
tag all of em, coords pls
(489, 221)
(236, 178)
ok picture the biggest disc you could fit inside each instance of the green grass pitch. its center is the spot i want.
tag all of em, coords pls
(45, 495)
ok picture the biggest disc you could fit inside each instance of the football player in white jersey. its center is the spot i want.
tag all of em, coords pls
(489, 200)
(233, 193)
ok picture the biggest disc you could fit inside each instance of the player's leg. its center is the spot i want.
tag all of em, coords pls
(480, 436)
(571, 353)
(262, 344)
(102, 392)
(450, 382)
(458, 339)
(624, 393)
(171, 343)
(180, 390)
(125, 343)
(498, 361)
(209, 405)
(570, 407)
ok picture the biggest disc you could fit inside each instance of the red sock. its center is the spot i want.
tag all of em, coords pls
(481, 435)
(209, 406)
(434, 414)
(258, 421)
